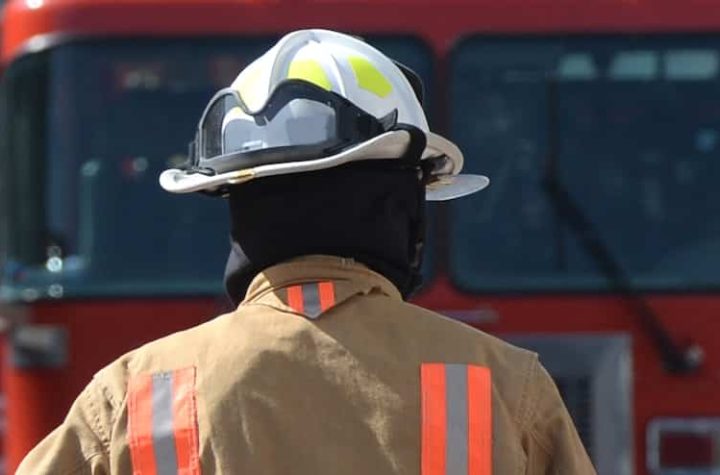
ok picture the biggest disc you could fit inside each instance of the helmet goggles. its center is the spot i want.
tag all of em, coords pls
(299, 121)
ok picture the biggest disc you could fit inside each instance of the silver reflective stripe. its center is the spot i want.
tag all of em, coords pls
(457, 419)
(311, 300)
(162, 424)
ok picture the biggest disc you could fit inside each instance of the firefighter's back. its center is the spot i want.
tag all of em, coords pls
(324, 369)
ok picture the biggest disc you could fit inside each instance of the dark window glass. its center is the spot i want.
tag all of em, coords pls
(637, 143)
(90, 126)
(24, 93)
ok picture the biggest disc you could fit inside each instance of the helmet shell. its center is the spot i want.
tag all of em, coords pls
(336, 62)
(355, 70)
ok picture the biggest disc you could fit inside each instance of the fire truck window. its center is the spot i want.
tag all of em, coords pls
(93, 126)
(24, 91)
(637, 144)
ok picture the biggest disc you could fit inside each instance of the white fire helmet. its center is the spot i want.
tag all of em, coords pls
(316, 100)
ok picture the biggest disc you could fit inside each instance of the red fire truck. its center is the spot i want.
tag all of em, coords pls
(597, 245)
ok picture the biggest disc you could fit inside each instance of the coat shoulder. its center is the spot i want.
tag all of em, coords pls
(514, 370)
(495, 348)
(171, 352)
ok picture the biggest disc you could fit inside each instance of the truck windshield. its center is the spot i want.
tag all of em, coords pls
(637, 143)
(88, 128)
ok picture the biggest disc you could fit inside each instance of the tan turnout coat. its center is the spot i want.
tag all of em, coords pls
(318, 371)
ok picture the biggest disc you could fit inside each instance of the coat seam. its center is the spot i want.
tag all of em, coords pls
(532, 411)
(525, 409)
(116, 407)
(97, 425)
(108, 396)
(540, 443)
(82, 466)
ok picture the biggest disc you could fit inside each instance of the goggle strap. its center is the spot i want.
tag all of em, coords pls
(388, 121)
(427, 167)
(414, 80)
(416, 147)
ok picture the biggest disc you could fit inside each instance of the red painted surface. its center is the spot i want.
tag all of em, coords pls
(440, 22)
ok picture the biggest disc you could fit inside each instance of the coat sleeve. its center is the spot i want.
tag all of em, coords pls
(551, 441)
(80, 445)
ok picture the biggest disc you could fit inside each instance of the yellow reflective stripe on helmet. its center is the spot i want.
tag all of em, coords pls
(234, 113)
(368, 76)
(309, 70)
(250, 86)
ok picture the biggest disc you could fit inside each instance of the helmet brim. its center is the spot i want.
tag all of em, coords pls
(448, 186)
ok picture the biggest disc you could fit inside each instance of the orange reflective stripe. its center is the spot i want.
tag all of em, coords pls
(327, 295)
(479, 389)
(311, 299)
(434, 418)
(295, 298)
(140, 425)
(456, 419)
(162, 423)
(185, 422)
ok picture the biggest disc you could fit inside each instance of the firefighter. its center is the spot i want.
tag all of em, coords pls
(324, 154)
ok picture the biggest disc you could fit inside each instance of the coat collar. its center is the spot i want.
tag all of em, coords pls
(312, 285)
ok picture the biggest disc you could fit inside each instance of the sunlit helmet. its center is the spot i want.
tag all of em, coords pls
(316, 100)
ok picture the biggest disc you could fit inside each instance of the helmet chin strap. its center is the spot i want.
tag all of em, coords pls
(416, 246)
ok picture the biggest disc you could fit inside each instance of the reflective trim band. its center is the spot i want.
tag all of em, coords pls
(311, 299)
(185, 417)
(162, 423)
(140, 419)
(433, 419)
(295, 298)
(368, 77)
(309, 70)
(327, 295)
(249, 84)
(456, 419)
(479, 420)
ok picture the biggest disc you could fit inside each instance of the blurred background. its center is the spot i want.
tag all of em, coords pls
(597, 244)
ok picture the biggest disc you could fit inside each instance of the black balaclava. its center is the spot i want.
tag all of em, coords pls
(372, 211)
